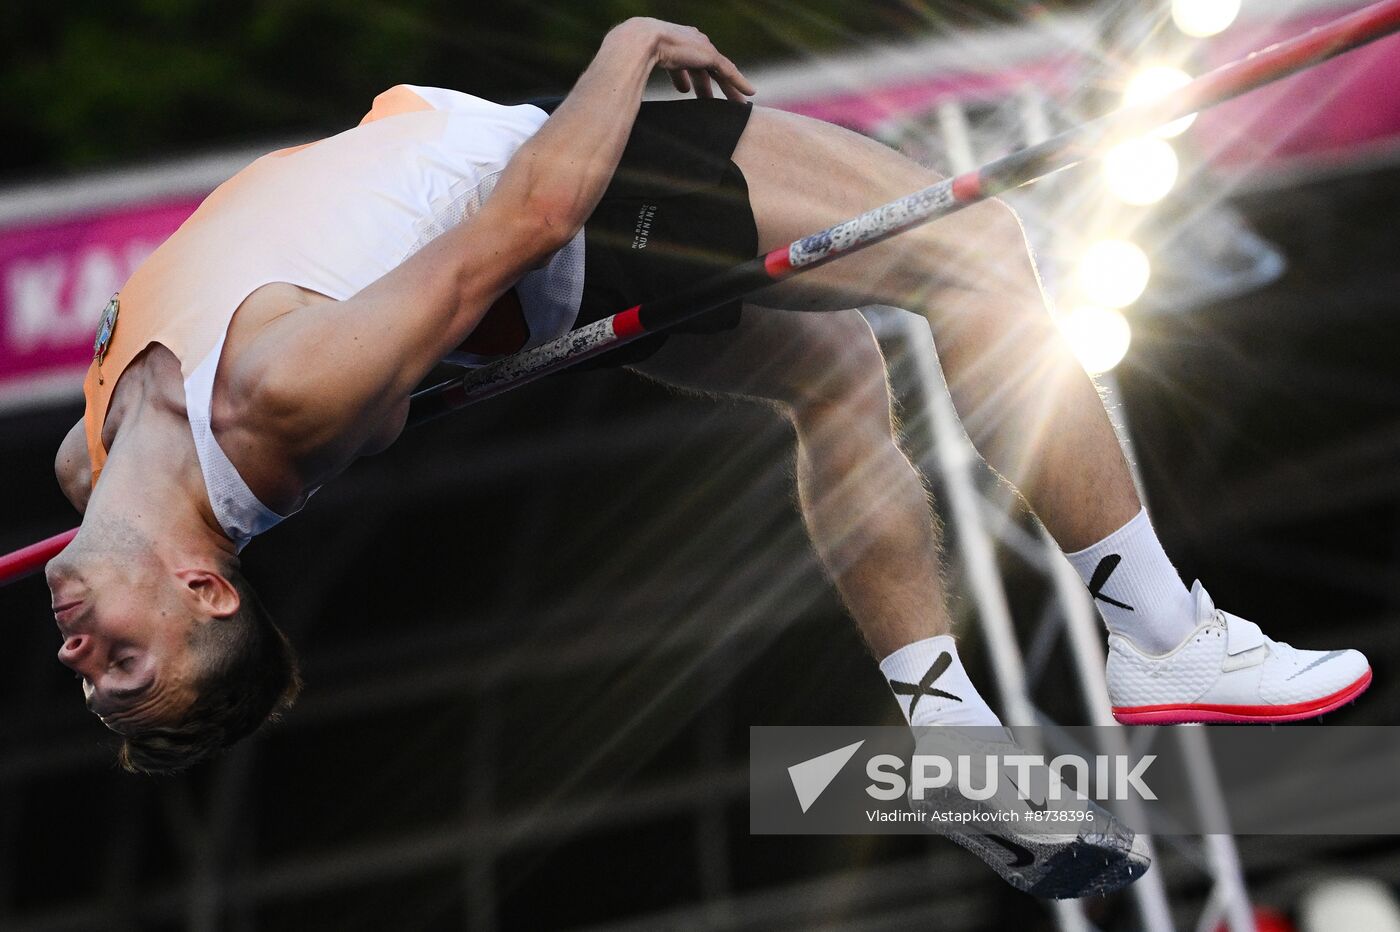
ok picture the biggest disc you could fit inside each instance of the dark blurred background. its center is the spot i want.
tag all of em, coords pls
(92, 84)
(535, 634)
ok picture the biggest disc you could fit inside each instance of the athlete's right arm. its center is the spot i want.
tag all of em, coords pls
(357, 359)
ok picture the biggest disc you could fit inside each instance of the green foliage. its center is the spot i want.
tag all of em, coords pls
(93, 82)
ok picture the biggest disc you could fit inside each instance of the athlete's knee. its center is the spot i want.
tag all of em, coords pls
(844, 378)
(992, 295)
(999, 258)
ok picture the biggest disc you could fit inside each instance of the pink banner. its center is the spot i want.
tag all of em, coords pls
(1335, 111)
(866, 109)
(1338, 110)
(55, 279)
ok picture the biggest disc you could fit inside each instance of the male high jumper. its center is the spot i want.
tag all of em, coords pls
(276, 336)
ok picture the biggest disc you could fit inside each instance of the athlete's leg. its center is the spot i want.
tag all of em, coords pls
(864, 504)
(869, 518)
(1023, 398)
(1036, 417)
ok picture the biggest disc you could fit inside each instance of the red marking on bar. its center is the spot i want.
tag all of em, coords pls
(31, 559)
(628, 323)
(967, 186)
(777, 263)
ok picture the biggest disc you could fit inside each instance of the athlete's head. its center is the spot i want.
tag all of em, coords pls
(180, 660)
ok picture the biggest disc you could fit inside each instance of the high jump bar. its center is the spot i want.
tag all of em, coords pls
(938, 200)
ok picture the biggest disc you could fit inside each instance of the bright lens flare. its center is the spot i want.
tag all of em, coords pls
(1099, 337)
(1201, 18)
(1154, 84)
(1141, 171)
(1113, 273)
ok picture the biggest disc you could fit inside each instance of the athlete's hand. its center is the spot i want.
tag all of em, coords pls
(692, 61)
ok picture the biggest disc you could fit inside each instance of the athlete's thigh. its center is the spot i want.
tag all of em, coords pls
(805, 175)
(773, 355)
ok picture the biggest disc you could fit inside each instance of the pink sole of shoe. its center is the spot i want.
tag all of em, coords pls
(1257, 714)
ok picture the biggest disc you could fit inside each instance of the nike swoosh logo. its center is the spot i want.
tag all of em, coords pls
(1021, 857)
(1330, 655)
(1026, 797)
(1099, 579)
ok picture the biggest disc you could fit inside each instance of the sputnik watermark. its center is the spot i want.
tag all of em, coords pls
(981, 780)
(861, 780)
(1116, 776)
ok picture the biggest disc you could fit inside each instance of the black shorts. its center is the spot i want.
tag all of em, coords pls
(676, 211)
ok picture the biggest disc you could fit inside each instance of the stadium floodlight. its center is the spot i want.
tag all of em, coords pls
(1201, 18)
(1099, 336)
(1154, 83)
(1141, 171)
(1113, 273)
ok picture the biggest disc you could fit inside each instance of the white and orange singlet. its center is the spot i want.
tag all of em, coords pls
(330, 217)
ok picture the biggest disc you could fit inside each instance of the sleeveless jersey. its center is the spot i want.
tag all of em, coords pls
(331, 216)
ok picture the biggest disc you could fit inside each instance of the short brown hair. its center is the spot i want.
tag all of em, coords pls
(250, 678)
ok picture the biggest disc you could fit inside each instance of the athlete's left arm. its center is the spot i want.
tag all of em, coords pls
(323, 378)
(73, 469)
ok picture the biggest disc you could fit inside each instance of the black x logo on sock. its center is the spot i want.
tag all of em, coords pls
(925, 686)
(1101, 573)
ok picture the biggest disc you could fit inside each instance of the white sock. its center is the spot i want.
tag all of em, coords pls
(932, 687)
(1136, 588)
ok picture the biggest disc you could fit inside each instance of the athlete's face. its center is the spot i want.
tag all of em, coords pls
(126, 628)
